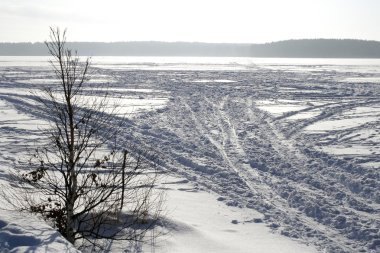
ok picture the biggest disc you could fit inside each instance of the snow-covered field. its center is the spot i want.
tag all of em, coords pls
(265, 155)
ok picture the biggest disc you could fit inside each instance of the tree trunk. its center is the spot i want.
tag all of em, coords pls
(72, 189)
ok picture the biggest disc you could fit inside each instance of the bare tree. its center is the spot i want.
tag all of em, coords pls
(83, 180)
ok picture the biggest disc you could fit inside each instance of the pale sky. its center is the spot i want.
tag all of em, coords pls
(240, 21)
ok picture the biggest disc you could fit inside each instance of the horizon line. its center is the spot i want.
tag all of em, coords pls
(198, 42)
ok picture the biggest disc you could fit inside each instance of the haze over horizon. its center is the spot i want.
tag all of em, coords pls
(197, 42)
(225, 21)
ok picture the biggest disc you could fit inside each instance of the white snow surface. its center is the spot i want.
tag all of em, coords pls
(263, 156)
(204, 224)
(20, 232)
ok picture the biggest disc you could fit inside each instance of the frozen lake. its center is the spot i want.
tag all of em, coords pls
(297, 140)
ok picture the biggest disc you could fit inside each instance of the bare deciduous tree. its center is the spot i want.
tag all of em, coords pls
(88, 188)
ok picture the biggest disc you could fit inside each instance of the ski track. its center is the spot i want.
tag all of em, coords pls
(215, 135)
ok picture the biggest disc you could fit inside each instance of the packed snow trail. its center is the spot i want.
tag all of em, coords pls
(225, 142)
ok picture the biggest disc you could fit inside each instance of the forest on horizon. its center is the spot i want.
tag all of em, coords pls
(307, 48)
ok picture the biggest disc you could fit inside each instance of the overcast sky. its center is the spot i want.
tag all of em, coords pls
(242, 21)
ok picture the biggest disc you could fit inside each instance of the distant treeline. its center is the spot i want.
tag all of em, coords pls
(315, 48)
